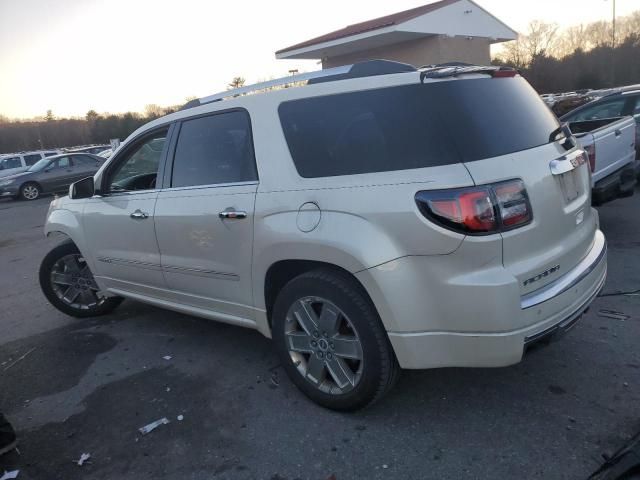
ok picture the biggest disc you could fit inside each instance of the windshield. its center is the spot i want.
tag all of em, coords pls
(39, 165)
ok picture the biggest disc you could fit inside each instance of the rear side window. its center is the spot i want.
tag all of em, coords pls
(414, 126)
(213, 150)
(50, 154)
(13, 162)
(32, 159)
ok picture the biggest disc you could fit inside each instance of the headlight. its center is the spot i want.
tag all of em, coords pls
(4, 183)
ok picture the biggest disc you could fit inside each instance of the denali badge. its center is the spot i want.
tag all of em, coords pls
(546, 273)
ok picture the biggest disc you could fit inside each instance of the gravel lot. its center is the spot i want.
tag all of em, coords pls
(87, 386)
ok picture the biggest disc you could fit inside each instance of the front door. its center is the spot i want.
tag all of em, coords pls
(58, 175)
(204, 220)
(119, 223)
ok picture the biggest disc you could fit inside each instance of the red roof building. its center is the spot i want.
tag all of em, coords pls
(444, 31)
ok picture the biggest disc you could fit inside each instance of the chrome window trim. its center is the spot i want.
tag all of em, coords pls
(210, 185)
(587, 265)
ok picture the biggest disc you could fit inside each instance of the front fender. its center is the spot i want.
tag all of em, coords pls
(66, 222)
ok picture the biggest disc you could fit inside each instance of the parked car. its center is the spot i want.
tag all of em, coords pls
(379, 217)
(105, 153)
(52, 174)
(93, 149)
(618, 103)
(19, 162)
(611, 146)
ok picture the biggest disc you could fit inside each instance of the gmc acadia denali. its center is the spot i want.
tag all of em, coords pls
(377, 217)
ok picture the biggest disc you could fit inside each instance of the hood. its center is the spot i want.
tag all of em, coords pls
(16, 176)
(11, 173)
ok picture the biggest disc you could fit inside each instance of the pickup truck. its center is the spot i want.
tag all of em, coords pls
(610, 143)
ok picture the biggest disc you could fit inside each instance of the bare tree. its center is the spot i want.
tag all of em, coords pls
(572, 39)
(237, 82)
(540, 38)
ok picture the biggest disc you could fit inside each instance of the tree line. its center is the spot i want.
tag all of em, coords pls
(553, 60)
(579, 57)
(51, 132)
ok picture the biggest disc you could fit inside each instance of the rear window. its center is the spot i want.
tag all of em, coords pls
(414, 126)
(32, 159)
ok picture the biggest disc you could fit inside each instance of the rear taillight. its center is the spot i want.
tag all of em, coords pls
(478, 210)
(591, 155)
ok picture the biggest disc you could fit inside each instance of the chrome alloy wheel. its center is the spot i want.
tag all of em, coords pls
(30, 192)
(324, 345)
(73, 283)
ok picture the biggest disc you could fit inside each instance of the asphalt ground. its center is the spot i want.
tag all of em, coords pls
(72, 387)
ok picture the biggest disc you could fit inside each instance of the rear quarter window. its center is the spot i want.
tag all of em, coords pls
(414, 126)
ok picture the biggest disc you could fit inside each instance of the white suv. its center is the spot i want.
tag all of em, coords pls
(378, 217)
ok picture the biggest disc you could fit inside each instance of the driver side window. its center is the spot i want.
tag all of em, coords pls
(139, 167)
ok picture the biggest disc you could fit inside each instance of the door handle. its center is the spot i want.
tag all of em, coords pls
(139, 215)
(618, 133)
(233, 214)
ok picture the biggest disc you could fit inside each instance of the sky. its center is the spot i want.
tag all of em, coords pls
(71, 56)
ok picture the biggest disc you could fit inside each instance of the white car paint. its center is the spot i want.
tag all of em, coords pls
(445, 299)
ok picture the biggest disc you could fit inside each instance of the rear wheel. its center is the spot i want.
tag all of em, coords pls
(30, 191)
(67, 282)
(331, 341)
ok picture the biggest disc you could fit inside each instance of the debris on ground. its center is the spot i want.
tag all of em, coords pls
(180, 418)
(83, 459)
(10, 475)
(17, 361)
(167, 357)
(615, 315)
(153, 425)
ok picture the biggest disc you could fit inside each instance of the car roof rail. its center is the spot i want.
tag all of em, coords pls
(357, 70)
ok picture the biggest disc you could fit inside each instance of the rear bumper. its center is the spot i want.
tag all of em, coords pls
(481, 339)
(619, 184)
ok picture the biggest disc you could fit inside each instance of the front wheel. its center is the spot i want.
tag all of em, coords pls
(331, 341)
(67, 282)
(30, 191)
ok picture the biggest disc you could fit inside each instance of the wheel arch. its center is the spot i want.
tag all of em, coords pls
(65, 223)
(282, 271)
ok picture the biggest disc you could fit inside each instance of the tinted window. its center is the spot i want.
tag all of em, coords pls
(50, 154)
(32, 159)
(605, 109)
(12, 162)
(85, 160)
(414, 126)
(62, 162)
(214, 149)
(138, 168)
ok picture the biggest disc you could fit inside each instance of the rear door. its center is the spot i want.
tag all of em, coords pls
(615, 147)
(204, 219)
(85, 166)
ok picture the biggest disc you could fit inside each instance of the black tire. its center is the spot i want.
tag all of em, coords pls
(105, 305)
(33, 187)
(380, 368)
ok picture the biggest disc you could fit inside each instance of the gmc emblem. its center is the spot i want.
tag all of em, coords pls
(541, 275)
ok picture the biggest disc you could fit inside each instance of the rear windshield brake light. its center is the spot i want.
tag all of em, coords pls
(504, 73)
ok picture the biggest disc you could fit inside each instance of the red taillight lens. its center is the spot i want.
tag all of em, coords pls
(478, 210)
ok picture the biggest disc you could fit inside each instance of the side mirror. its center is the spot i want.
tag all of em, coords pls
(84, 188)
